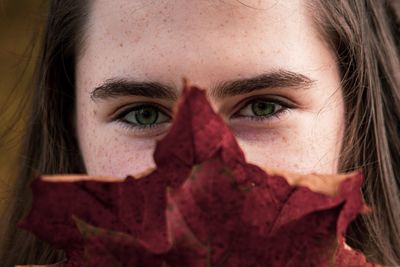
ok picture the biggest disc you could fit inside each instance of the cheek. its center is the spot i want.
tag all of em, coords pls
(310, 142)
(310, 145)
(126, 159)
(106, 152)
(108, 155)
(276, 151)
(302, 149)
(288, 155)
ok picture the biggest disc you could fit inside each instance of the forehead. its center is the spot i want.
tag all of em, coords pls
(186, 15)
(164, 40)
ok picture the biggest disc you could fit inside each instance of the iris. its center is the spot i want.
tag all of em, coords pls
(263, 108)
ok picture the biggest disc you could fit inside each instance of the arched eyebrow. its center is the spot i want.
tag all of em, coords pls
(120, 87)
(269, 80)
(277, 79)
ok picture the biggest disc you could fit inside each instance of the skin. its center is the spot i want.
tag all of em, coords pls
(209, 42)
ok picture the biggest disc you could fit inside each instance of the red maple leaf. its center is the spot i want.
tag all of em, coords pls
(203, 205)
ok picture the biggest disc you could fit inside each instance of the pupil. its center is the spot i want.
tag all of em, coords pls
(261, 108)
(146, 116)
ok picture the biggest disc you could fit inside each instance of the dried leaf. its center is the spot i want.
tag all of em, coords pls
(203, 205)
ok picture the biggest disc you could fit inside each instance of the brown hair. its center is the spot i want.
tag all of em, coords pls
(50, 145)
(363, 33)
(365, 36)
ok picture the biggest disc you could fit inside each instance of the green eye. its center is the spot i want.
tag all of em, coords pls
(263, 108)
(145, 116)
(260, 108)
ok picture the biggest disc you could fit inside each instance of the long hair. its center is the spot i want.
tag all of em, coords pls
(50, 144)
(364, 34)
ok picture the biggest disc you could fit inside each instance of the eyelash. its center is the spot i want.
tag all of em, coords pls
(284, 108)
(119, 118)
(142, 128)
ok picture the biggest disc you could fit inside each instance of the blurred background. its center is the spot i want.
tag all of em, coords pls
(21, 23)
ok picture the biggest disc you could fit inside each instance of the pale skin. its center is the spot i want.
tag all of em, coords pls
(209, 42)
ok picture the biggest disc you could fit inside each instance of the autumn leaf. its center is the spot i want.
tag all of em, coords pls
(203, 205)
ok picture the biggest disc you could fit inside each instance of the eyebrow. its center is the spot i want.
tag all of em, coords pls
(112, 88)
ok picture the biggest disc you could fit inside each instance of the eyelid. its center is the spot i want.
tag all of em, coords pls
(141, 131)
(119, 115)
(273, 99)
(131, 107)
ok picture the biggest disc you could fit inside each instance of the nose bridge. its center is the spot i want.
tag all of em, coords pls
(205, 66)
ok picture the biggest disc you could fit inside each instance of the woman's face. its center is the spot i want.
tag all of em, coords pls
(287, 113)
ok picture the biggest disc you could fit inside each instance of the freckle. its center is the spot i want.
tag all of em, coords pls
(121, 44)
(94, 112)
(164, 20)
